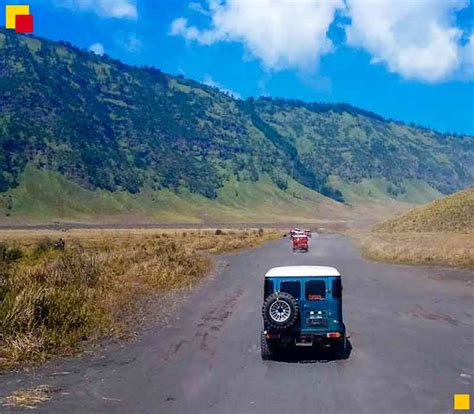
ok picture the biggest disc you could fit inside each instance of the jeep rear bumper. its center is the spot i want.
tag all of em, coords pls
(306, 338)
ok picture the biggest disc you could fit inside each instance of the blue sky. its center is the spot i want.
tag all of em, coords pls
(407, 60)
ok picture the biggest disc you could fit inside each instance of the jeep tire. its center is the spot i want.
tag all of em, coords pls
(280, 310)
(266, 348)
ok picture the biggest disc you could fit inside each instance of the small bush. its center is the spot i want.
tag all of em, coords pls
(14, 253)
(42, 246)
(219, 232)
(10, 254)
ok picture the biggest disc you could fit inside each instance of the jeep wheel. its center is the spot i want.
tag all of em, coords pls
(265, 348)
(280, 310)
(341, 348)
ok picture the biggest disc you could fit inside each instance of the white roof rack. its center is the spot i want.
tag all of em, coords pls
(302, 271)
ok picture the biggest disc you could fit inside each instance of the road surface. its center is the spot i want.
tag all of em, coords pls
(412, 340)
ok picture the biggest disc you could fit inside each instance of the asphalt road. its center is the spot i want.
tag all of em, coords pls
(412, 340)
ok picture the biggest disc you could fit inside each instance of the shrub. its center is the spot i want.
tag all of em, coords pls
(10, 254)
(219, 232)
(42, 246)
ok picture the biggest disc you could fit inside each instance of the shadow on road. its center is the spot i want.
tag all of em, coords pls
(314, 355)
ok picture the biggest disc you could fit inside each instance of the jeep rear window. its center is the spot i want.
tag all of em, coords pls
(293, 288)
(315, 290)
(268, 288)
(336, 289)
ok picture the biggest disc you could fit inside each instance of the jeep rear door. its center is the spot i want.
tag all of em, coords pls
(320, 304)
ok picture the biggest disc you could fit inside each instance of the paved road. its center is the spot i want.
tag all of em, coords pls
(411, 331)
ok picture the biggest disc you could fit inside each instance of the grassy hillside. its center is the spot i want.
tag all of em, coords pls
(454, 213)
(86, 137)
(438, 233)
(58, 198)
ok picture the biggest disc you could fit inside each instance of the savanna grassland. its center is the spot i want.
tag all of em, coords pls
(439, 233)
(54, 300)
(436, 248)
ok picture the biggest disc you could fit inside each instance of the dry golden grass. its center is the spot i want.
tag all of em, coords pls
(454, 213)
(436, 248)
(51, 300)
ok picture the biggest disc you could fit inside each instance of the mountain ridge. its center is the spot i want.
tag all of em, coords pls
(109, 126)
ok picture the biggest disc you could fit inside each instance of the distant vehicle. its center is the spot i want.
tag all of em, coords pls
(307, 232)
(302, 307)
(294, 231)
(300, 242)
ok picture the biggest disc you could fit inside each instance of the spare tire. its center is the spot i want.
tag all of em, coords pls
(280, 310)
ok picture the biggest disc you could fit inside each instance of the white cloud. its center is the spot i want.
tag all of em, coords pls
(104, 8)
(416, 39)
(97, 48)
(281, 33)
(211, 82)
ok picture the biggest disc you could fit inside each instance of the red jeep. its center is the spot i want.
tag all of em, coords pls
(300, 242)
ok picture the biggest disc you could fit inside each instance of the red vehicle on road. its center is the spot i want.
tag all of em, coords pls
(300, 242)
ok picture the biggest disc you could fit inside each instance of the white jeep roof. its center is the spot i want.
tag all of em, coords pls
(302, 271)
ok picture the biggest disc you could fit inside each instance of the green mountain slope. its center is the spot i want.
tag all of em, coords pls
(47, 196)
(116, 134)
(454, 213)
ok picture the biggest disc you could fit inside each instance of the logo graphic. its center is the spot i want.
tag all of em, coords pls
(19, 18)
(462, 402)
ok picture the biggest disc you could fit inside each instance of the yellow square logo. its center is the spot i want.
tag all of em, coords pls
(462, 402)
(12, 12)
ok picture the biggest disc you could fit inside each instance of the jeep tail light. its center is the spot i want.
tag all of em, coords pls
(333, 335)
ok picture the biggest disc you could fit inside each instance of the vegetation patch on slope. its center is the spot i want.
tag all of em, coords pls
(45, 196)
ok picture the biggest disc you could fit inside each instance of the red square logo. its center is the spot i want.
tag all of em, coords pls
(24, 23)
